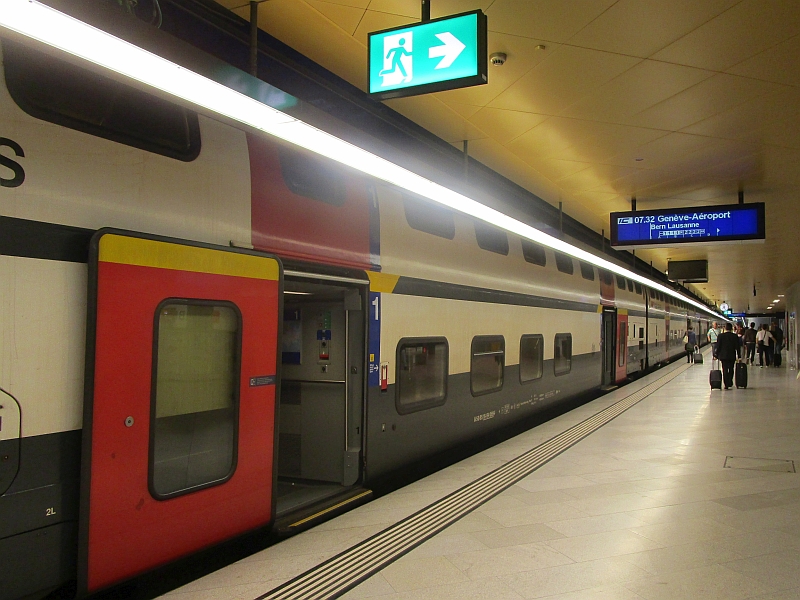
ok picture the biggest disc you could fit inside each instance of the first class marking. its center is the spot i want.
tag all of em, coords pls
(382, 282)
(163, 255)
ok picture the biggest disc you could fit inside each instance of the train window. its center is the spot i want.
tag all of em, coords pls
(534, 253)
(195, 395)
(564, 263)
(429, 218)
(311, 177)
(606, 277)
(562, 354)
(531, 357)
(59, 92)
(488, 363)
(422, 365)
(638, 288)
(587, 270)
(641, 332)
(621, 282)
(491, 238)
(623, 344)
(630, 285)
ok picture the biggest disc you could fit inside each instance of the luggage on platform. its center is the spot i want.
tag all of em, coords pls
(776, 359)
(715, 377)
(698, 358)
(740, 374)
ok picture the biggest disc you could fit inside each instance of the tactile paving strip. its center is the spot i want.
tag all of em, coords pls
(344, 571)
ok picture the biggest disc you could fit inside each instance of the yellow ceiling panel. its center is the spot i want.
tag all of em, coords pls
(778, 64)
(552, 20)
(346, 17)
(279, 18)
(504, 125)
(642, 27)
(436, 117)
(745, 30)
(376, 21)
(556, 170)
(363, 4)
(564, 77)
(522, 57)
(663, 150)
(465, 110)
(635, 90)
(404, 8)
(709, 97)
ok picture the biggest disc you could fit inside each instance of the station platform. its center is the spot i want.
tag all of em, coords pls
(662, 489)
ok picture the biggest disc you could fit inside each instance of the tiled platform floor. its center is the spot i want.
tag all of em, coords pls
(643, 508)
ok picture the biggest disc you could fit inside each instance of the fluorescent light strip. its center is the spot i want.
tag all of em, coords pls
(36, 21)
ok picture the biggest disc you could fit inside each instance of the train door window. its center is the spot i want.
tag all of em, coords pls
(534, 253)
(531, 357)
(562, 354)
(623, 343)
(564, 263)
(310, 177)
(491, 238)
(630, 285)
(429, 218)
(421, 378)
(606, 277)
(59, 92)
(638, 288)
(195, 395)
(621, 282)
(587, 270)
(488, 364)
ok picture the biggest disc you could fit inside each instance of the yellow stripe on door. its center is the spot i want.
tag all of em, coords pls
(140, 252)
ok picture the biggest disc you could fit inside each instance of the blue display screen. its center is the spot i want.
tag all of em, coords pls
(706, 224)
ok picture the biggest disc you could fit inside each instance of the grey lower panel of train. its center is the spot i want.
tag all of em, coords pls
(394, 441)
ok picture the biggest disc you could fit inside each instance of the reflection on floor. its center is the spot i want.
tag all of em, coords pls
(294, 494)
(643, 508)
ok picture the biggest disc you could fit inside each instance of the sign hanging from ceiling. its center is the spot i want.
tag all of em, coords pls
(672, 227)
(433, 56)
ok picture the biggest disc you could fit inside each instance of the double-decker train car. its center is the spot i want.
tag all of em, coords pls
(206, 332)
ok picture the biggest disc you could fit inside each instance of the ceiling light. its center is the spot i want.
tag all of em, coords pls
(297, 293)
(540, 47)
(780, 295)
(775, 301)
(638, 159)
(29, 20)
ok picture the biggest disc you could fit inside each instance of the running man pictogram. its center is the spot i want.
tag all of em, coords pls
(397, 61)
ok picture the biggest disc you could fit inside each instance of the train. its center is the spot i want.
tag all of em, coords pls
(208, 332)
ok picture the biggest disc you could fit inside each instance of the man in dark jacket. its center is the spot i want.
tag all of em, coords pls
(728, 349)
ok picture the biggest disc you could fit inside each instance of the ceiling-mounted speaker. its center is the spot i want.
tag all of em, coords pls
(688, 271)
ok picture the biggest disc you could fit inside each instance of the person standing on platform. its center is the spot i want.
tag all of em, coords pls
(712, 336)
(727, 352)
(777, 333)
(762, 342)
(750, 343)
(690, 343)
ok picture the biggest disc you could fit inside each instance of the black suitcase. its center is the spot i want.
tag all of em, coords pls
(740, 375)
(715, 377)
(698, 358)
(776, 359)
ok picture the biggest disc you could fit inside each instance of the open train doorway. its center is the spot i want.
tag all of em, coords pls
(322, 391)
(609, 345)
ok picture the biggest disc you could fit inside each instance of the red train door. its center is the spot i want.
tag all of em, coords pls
(179, 415)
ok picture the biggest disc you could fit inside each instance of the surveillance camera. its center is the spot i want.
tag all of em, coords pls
(498, 59)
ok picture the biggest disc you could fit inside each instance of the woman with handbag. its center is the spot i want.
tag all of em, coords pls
(690, 343)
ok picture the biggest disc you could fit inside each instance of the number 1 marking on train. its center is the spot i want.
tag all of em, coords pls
(377, 311)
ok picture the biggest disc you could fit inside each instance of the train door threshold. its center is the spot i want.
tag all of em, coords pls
(329, 507)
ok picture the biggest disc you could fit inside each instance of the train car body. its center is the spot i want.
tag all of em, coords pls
(318, 330)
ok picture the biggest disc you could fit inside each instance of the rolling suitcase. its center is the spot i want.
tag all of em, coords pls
(740, 375)
(715, 377)
(698, 358)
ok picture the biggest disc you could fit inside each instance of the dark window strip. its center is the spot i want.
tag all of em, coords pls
(35, 239)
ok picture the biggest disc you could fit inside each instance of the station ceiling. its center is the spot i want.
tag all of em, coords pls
(679, 103)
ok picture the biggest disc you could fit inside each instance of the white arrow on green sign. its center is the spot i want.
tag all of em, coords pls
(437, 55)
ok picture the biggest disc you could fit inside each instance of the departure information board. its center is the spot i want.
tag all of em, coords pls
(731, 222)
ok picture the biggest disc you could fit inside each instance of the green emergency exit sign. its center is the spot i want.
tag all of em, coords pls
(437, 55)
